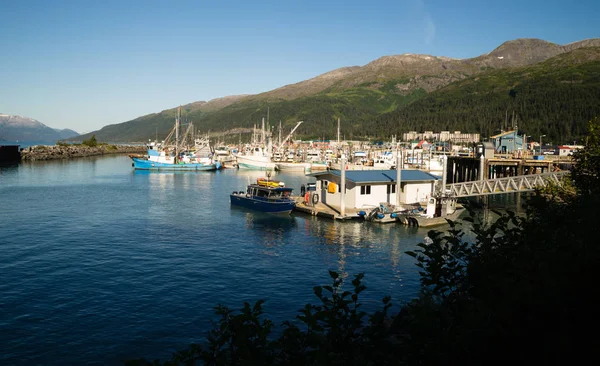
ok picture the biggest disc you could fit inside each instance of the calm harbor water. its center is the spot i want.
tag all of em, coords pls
(101, 263)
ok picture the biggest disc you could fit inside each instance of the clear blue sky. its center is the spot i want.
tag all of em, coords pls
(87, 64)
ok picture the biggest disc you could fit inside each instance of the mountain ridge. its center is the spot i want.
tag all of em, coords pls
(388, 82)
(20, 128)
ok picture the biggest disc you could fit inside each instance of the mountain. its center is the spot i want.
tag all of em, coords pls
(356, 94)
(17, 128)
(556, 98)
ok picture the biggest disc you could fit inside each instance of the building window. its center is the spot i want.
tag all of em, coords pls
(391, 188)
(365, 189)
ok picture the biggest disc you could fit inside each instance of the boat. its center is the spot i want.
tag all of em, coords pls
(255, 158)
(258, 154)
(266, 182)
(265, 195)
(318, 165)
(439, 209)
(175, 157)
(224, 155)
(385, 160)
(286, 166)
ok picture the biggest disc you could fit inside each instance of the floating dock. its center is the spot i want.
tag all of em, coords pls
(333, 212)
(323, 210)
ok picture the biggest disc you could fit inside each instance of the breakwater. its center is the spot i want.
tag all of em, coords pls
(44, 152)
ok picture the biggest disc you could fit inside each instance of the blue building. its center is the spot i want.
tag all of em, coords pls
(508, 142)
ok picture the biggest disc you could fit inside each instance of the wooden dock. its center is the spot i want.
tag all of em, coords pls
(321, 209)
(333, 212)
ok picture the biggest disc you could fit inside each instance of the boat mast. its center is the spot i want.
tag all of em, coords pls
(279, 132)
(338, 133)
(177, 134)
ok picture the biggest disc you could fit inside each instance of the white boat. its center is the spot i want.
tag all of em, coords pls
(292, 166)
(318, 165)
(224, 156)
(385, 161)
(435, 165)
(255, 158)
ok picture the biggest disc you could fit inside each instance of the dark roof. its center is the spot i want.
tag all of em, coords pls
(380, 176)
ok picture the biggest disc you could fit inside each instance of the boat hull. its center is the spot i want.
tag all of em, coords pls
(292, 167)
(255, 163)
(144, 164)
(262, 205)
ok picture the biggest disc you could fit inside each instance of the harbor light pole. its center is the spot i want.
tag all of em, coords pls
(541, 143)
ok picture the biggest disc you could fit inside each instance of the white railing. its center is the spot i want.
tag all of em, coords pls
(520, 183)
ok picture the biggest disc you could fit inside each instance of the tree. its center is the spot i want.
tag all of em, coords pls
(91, 142)
(586, 172)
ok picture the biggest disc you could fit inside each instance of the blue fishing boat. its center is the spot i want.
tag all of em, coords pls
(265, 196)
(149, 164)
(177, 156)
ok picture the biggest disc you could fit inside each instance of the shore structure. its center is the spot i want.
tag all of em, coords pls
(9, 153)
(407, 196)
(45, 152)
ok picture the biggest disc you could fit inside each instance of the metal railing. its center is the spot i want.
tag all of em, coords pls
(520, 183)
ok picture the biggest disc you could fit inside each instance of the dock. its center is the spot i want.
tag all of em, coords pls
(321, 209)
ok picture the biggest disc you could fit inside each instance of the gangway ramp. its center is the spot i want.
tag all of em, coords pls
(519, 183)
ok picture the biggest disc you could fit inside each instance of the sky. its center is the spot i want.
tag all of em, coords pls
(84, 65)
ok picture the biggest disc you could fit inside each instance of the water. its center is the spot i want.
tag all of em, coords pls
(101, 263)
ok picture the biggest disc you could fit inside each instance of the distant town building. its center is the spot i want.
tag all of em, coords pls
(456, 137)
(567, 150)
(508, 142)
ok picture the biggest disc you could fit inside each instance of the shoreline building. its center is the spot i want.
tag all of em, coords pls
(372, 187)
(456, 137)
(508, 142)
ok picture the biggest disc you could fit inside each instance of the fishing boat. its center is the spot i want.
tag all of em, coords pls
(286, 166)
(255, 158)
(175, 157)
(265, 195)
(223, 155)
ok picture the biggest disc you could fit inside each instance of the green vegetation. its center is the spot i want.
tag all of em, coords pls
(554, 98)
(523, 291)
(91, 142)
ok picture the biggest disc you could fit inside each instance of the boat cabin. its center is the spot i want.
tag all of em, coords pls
(267, 192)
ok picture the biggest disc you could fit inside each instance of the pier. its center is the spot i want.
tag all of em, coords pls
(521, 183)
(321, 209)
(466, 169)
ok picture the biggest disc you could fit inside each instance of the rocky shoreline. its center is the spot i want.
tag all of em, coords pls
(43, 152)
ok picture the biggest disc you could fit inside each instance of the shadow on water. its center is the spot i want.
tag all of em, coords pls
(8, 165)
(172, 172)
(265, 220)
(274, 230)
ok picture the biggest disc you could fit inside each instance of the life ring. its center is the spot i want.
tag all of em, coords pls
(315, 199)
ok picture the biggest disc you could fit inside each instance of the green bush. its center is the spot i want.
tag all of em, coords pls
(91, 142)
